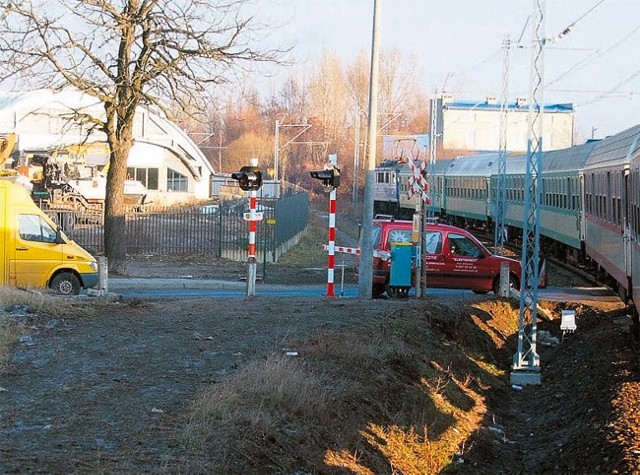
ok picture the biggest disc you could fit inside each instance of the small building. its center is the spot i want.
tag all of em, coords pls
(475, 125)
(163, 159)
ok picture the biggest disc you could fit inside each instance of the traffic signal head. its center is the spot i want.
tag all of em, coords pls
(249, 178)
(330, 177)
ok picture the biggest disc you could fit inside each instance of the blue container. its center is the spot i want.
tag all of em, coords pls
(401, 268)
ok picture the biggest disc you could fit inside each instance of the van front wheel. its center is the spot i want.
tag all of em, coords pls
(65, 283)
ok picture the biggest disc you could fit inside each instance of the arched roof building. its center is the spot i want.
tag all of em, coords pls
(163, 157)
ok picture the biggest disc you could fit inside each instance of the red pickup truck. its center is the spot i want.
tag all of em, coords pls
(455, 258)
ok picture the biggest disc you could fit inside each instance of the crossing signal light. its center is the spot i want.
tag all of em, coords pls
(249, 178)
(330, 177)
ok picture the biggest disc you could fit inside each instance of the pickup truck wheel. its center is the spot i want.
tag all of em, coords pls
(65, 284)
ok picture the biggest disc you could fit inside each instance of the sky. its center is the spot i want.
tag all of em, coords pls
(595, 65)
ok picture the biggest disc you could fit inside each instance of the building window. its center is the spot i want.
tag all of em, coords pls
(147, 176)
(176, 181)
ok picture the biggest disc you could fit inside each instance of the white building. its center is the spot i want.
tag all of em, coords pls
(475, 125)
(163, 158)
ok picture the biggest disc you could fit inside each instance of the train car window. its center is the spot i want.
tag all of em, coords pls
(619, 209)
(608, 204)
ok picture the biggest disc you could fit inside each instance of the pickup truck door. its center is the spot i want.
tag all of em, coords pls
(435, 259)
(466, 264)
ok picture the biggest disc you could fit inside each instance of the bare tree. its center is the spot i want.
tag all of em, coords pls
(127, 53)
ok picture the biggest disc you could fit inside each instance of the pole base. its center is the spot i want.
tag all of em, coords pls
(523, 378)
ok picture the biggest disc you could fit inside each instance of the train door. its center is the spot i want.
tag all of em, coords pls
(627, 235)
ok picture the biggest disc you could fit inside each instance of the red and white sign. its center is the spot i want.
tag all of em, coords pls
(417, 182)
(343, 249)
(259, 216)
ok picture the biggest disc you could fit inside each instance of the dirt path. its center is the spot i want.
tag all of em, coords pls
(109, 389)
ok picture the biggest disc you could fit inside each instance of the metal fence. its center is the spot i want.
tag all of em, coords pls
(218, 230)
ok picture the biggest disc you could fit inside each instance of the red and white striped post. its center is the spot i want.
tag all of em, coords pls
(251, 257)
(330, 177)
(332, 242)
(333, 160)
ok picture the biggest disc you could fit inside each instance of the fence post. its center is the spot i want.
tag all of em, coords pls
(103, 275)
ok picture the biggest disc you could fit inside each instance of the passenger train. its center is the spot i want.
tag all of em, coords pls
(589, 209)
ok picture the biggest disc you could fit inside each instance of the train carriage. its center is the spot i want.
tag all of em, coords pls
(561, 220)
(435, 177)
(607, 234)
(633, 211)
(467, 187)
(386, 190)
(437, 182)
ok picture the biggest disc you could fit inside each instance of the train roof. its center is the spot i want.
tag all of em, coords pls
(474, 165)
(568, 159)
(616, 149)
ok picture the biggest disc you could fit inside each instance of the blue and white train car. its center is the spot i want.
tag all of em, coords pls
(561, 197)
(467, 187)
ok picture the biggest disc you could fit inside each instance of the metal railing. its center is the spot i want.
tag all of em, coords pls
(217, 230)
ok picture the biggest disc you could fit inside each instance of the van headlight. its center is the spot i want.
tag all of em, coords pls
(93, 265)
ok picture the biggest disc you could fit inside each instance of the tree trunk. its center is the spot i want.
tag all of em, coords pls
(115, 242)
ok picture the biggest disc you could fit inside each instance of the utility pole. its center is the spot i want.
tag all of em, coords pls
(356, 156)
(366, 248)
(526, 362)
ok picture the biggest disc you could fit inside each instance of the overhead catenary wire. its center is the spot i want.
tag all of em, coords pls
(613, 90)
(591, 58)
(568, 29)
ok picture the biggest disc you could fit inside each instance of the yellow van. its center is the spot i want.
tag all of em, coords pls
(33, 250)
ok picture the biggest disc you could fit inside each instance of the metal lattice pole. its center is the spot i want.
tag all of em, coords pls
(526, 362)
(501, 201)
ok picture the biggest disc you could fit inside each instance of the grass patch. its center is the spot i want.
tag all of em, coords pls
(394, 395)
(308, 252)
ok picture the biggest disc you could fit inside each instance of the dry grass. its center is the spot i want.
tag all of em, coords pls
(308, 252)
(397, 396)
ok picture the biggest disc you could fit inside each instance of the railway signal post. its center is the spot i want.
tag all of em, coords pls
(330, 178)
(250, 179)
(418, 185)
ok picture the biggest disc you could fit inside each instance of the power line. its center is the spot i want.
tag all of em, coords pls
(595, 91)
(584, 62)
(567, 30)
(612, 90)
